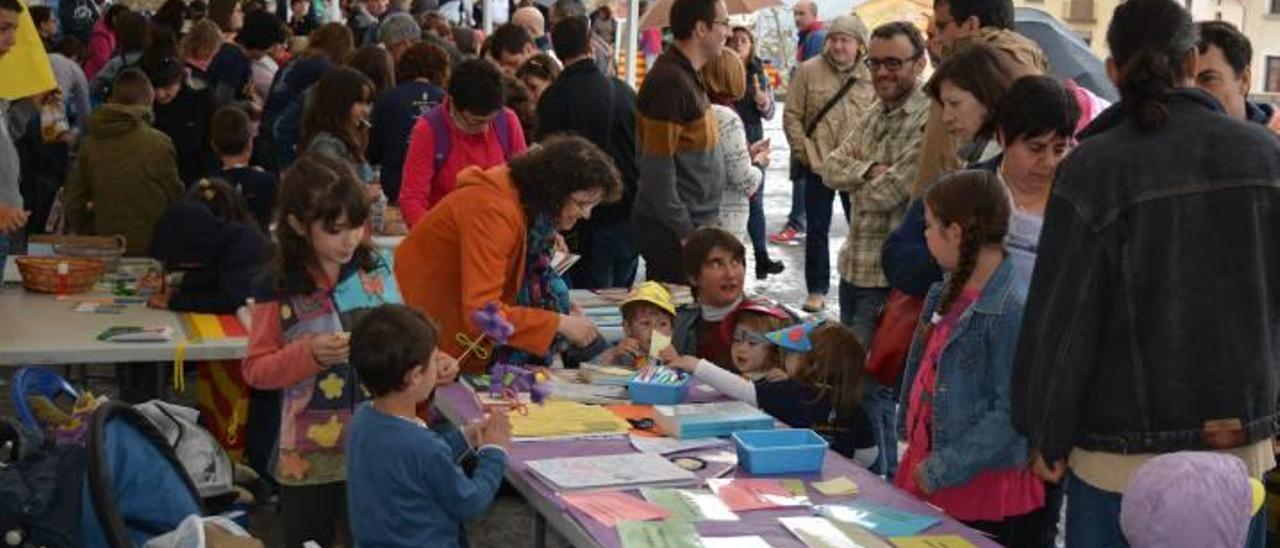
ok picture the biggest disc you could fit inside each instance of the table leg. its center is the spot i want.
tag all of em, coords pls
(539, 531)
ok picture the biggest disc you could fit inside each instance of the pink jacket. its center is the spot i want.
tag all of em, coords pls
(421, 188)
(102, 43)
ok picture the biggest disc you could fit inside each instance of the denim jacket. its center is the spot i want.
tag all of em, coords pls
(972, 429)
(1153, 316)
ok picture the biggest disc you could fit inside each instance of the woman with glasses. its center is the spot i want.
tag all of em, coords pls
(491, 241)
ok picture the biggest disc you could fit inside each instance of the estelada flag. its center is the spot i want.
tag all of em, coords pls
(26, 66)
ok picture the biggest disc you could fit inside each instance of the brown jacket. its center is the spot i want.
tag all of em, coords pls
(938, 153)
(814, 83)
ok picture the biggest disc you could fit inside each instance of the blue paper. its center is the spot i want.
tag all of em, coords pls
(882, 520)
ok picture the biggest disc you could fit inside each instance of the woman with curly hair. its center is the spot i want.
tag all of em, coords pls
(490, 241)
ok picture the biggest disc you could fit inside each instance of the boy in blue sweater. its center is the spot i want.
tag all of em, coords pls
(405, 486)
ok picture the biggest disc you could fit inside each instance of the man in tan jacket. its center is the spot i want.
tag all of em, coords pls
(827, 96)
(957, 23)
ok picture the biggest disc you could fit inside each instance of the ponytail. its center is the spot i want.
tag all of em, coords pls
(1149, 39)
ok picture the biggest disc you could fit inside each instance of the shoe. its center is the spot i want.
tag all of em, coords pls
(769, 267)
(814, 304)
(788, 236)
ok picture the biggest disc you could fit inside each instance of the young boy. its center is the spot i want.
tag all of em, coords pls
(404, 484)
(232, 139)
(126, 174)
(648, 309)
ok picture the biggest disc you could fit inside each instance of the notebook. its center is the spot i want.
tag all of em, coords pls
(611, 471)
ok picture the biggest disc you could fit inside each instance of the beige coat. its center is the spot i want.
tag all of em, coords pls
(814, 83)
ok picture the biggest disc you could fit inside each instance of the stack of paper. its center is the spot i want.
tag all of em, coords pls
(658, 534)
(884, 521)
(743, 494)
(609, 375)
(564, 419)
(602, 471)
(710, 420)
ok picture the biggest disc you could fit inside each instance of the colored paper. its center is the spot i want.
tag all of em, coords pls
(743, 495)
(604, 471)
(559, 419)
(817, 532)
(638, 413)
(795, 487)
(26, 66)
(884, 521)
(836, 487)
(936, 541)
(734, 542)
(613, 507)
(657, 343)
(658, 534)
(690, 505)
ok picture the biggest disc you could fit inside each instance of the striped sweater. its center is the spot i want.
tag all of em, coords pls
(681, 171)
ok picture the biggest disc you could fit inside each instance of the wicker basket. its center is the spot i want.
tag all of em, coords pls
(107, 248)
(41, 273)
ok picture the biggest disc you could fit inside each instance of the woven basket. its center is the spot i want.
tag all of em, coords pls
(107, 248)
(40, 274)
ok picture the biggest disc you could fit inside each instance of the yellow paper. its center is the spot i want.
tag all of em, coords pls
(935, 541)
(26, 67)
(836, 487)
(558, 418)
(795, 487)
(657, 343)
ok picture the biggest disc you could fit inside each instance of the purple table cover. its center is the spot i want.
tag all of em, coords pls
(762, 523)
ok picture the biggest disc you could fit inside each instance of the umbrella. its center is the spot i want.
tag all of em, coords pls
(660, 13)
(1069, 57)
(877, 12)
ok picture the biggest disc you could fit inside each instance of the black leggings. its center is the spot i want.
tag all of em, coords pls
(314, 512)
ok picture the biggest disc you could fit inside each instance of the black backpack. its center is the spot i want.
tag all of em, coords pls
(41, 485)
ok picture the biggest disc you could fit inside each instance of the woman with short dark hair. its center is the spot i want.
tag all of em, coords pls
(491, 240)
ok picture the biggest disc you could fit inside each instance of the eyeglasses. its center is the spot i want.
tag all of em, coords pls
(892, 64)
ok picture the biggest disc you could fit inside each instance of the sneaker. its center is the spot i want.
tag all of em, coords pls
(814, 304)
(769, 267)
(788, 236)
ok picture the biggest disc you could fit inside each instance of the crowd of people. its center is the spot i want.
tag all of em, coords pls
(1044, 296)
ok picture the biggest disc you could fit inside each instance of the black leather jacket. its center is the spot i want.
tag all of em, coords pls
(1153, 319)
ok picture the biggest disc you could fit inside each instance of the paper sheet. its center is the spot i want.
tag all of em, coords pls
(836, 487)
(667, 446)
(734, 542)
(742, 495)
(817, 532)
(604, 471)
(795, 487)
(883, 520)
(614, 507)
(558, 418)
(657, 343)
(690, 505)
(937, 541)
(658, 534)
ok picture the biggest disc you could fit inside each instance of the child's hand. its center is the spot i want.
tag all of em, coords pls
(775, 375)
(496, 430)
(330, 348)
(685, 363)
(446, 367)
(160, 299)
(669, 355)
(628, 346)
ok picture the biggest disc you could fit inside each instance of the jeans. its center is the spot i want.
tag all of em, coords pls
(755, 227)
(611, 258)
(796, 218)
(859, 308)
(1093, 518)
(817, 252)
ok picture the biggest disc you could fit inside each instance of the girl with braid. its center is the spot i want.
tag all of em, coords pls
(963, 454)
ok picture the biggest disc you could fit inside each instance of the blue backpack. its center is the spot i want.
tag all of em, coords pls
(444, 143)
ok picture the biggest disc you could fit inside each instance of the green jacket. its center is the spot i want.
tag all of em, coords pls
(124, 178)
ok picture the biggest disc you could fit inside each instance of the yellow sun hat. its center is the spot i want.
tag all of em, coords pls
(653, 293)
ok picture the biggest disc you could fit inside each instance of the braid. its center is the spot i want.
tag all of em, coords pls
(970, 243)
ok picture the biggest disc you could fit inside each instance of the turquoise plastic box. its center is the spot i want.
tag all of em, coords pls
(658, 393)
(792, 451)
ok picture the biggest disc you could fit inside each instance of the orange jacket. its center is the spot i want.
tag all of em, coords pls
(468, 251)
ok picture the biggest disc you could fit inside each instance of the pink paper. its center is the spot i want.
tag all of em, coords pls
(613, 507)
(742, 495)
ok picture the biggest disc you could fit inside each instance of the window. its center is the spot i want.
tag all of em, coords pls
(1082, 10)
(1273, 75)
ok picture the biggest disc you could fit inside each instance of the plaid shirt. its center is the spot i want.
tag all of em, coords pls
(887, 135)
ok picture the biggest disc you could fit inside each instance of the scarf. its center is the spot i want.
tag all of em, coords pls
(541, 287)
(716, 314)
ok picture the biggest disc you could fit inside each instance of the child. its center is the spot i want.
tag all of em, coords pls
(753, 355)
(1193, 498)
(125, 174)
(648, 309)
(963, 454)
(213, 241)
(821, 391)
(231, 135)
(336, 121)
(406, 485)
(323, 272)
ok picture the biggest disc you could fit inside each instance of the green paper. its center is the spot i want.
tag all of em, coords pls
(658, 534)
(795, 487)
(684, 505)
